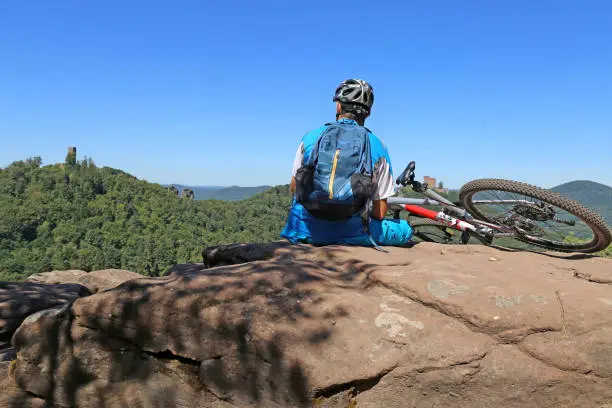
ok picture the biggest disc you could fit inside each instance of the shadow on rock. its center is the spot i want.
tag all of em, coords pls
(20, 299)
(191, 339)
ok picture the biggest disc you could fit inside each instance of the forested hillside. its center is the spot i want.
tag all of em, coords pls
(233, 193)
(593, 195)
(79, 216)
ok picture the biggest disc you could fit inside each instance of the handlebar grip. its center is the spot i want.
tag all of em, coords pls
(407, 176)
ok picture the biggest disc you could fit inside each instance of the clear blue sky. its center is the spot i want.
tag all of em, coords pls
(220, 92)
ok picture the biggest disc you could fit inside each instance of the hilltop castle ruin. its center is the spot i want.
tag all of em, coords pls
(185, 193)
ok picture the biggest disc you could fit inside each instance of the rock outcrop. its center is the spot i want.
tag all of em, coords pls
(19, 300)
(95, 281)
(12, 396)
(429, 326)
(233, 254)
(56, 277)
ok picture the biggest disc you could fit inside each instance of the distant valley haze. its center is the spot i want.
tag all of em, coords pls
(596, 196)
(225, 193)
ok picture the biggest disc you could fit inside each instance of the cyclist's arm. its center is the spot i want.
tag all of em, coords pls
(383, 188)
(379, 209)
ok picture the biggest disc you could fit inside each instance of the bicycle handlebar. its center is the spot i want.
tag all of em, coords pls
(407, 179)
(407, 176)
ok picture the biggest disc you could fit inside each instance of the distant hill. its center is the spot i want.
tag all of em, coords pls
(200, 192)
(236, 193)
(594, 195)
(233, 193)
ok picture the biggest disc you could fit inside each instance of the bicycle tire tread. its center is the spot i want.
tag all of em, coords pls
(601, 231)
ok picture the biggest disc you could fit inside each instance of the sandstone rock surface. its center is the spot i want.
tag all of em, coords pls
(333, 327)
(20, 299)
(95, 281)
(55, 277)
(13, 397)
(234, 254)
(105, 279)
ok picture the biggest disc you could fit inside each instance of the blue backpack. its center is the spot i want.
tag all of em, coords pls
(335, 181)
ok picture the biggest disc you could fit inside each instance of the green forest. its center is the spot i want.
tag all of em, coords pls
(75, 215)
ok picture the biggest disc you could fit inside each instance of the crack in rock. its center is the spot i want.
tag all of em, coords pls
(529, 353)
(355, 387)
(168, 355)
(587, 277)
(563, 322)
(475, 363)
(430, 305)
(438, 308)
(509, 336)
(516, 336)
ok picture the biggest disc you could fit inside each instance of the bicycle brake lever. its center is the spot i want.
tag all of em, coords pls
(405, 178)
(419, 187)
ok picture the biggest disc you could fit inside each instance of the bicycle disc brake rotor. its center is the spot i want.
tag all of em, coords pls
(535, 211)
(524, 216)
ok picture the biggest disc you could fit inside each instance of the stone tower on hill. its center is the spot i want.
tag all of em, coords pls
(188, 193)
(173, 190)
(71, 156)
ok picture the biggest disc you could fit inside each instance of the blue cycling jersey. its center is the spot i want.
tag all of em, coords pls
(301, 226)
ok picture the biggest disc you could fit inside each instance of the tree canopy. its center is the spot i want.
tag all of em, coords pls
(78, 216)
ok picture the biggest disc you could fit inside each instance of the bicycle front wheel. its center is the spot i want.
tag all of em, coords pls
(429, 230)
(537, 216)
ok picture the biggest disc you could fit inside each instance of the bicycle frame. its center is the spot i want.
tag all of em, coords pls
(463, 221)
(518, 223)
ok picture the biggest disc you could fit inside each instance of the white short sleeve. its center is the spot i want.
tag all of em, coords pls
(297, 161)
(383, 181)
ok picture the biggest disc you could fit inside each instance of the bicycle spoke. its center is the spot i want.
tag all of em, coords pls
(536, 216)
(549, 230)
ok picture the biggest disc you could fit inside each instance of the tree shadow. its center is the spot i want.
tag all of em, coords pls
(195, 336)
(233, 254)
(18, 300)
(558, 255)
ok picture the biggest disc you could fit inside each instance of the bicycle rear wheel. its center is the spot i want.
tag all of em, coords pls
(537, 216)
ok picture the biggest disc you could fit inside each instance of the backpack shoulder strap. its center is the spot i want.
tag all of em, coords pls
(365, 214)
(314, 153)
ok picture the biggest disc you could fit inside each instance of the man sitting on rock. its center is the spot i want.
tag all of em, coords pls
(341, 180)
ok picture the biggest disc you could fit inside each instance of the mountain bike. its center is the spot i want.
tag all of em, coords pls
(501, 210)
